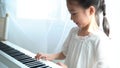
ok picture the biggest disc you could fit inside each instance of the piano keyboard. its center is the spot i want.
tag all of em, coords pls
(26, 60)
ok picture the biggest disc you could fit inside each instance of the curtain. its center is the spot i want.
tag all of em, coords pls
(2, 8)
(43, 25)
(37, 25)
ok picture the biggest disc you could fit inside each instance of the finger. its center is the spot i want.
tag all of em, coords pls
(41, 56)
(59, 63)
(50, 59)
(37, 57)
(62, 65)
(44, 57)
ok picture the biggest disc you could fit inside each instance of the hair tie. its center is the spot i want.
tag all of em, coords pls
(104, 9)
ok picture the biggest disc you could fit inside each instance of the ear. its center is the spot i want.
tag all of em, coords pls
(91, 10)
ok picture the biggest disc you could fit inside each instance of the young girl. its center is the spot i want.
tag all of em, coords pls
(85, 46)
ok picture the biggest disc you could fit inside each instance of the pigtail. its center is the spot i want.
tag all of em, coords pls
(105, 24)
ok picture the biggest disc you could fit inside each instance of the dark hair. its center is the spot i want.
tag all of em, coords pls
(100, 7)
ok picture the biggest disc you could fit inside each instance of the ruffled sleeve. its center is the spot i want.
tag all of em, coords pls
(67, 42)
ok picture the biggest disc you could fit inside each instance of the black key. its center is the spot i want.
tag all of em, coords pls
(2, 43)
(4, 46)
(11, 51)
(34, 64)
(7, 49)
(16, 54)
(41, 66)
(21, 57)
(27, 60)
(44, 67)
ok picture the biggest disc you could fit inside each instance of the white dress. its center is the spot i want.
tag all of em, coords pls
(89, 51)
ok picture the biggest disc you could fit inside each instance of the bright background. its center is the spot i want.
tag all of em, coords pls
(43, 25)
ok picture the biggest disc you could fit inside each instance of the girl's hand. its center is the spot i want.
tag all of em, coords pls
(62, 65)
(44, 56)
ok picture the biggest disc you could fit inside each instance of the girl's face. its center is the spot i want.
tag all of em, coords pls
(79, 15)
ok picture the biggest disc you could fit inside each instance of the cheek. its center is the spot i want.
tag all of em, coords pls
(75, 18)
(83, 20)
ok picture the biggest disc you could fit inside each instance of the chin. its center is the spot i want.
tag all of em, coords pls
(79, 26)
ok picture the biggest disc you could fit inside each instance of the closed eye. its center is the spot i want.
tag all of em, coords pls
(73, 13)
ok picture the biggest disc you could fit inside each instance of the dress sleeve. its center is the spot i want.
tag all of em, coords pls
(104, 52)
(66, 43)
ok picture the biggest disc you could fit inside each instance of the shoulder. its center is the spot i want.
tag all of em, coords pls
(102, 41)
(100, 35)
(74, 30)
(99, 38)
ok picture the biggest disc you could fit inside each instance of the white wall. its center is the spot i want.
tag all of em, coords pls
(113, 16)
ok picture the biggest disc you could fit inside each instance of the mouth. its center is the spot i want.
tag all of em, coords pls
(76, 23)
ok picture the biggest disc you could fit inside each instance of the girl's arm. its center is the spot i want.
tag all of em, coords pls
(58, 56)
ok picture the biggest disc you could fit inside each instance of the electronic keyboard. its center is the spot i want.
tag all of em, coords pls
(16, 57)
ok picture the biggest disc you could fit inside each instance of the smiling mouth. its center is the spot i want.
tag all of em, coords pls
(76, 23)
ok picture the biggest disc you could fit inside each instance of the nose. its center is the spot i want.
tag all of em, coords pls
(71, 18)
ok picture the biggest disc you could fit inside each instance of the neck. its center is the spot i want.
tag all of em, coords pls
(90, 28)
(93, 27)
